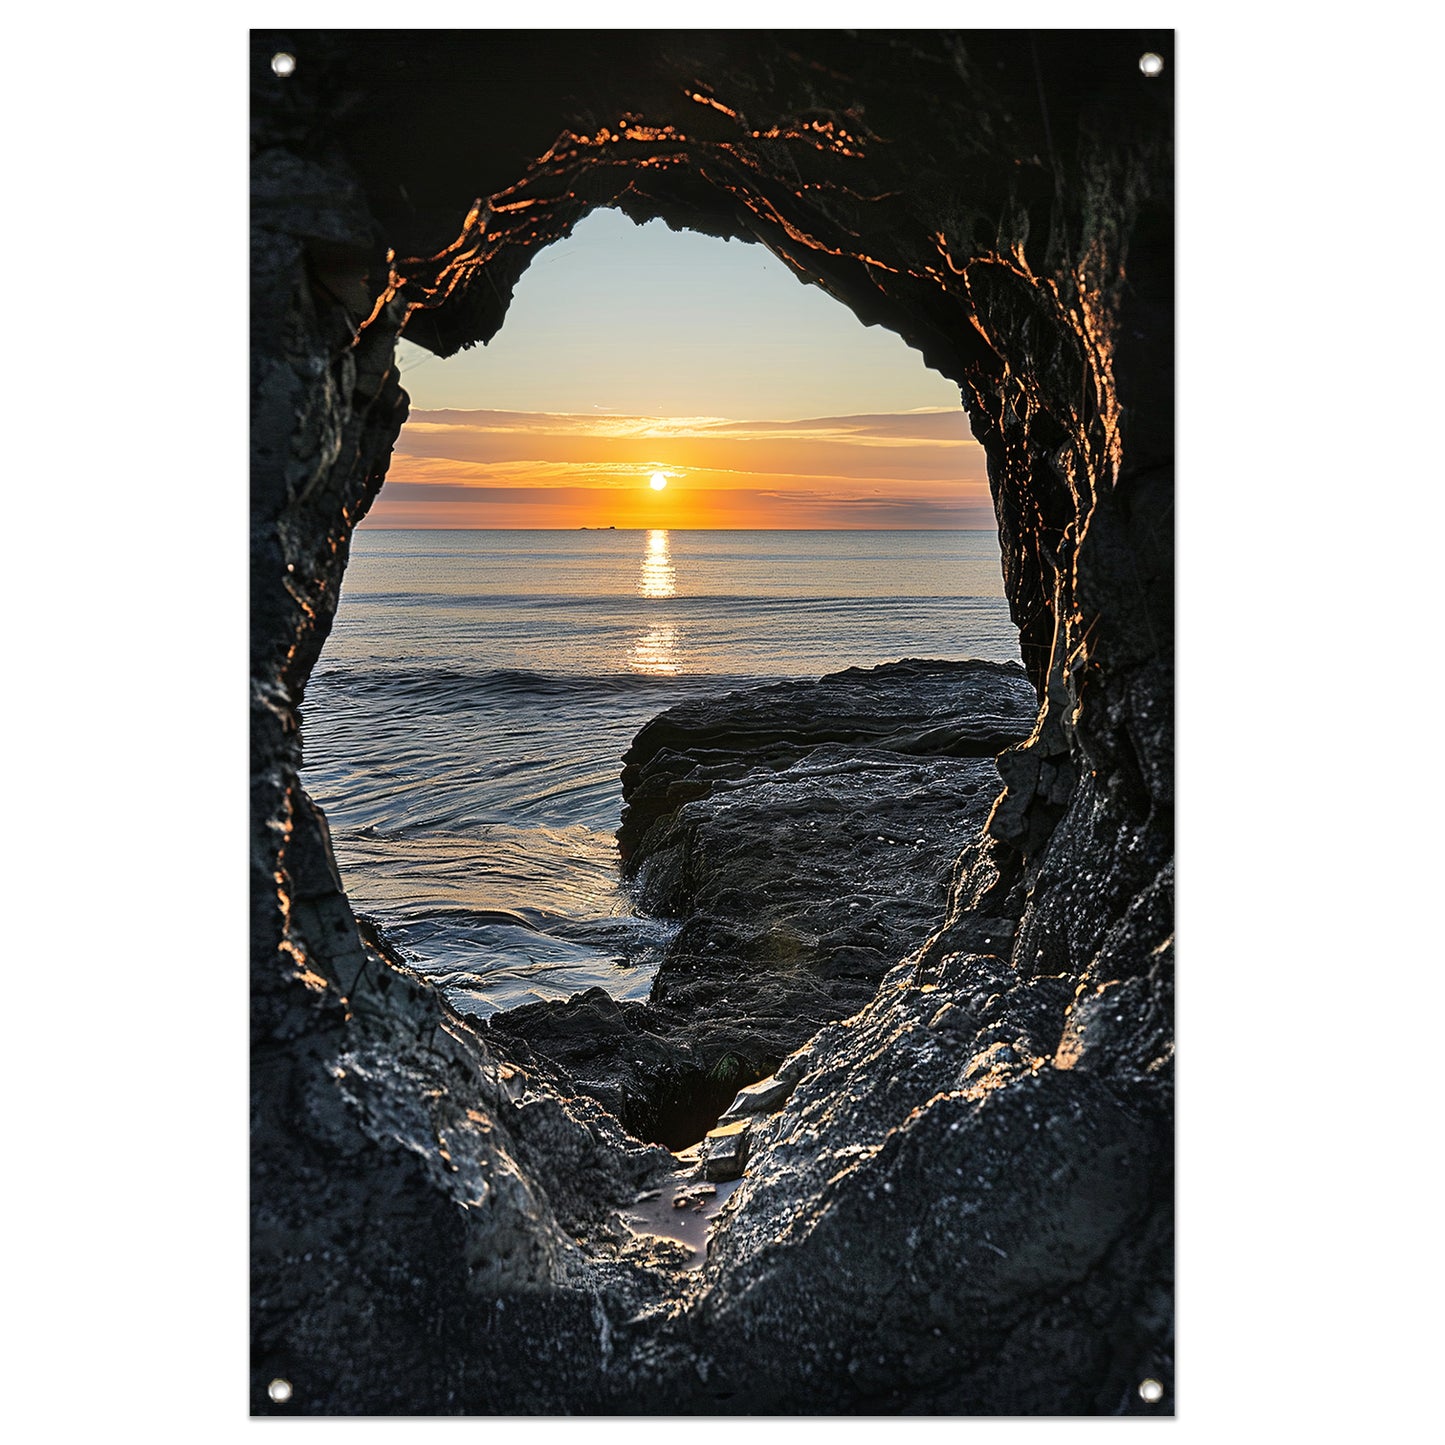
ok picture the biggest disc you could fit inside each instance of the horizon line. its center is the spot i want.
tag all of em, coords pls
(594, 415)
(362, 526)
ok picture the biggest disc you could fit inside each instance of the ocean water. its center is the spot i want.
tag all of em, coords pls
(465, 726)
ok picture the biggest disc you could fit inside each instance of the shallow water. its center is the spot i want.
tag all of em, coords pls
(684, 1210)
(465, 726)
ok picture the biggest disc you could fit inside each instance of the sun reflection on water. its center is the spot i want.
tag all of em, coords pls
(658, 579)
(655, 650)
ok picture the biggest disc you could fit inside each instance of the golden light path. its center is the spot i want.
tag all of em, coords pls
(658, 579)
(655, 650)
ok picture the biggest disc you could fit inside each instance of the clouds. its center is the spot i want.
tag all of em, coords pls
(518, 469)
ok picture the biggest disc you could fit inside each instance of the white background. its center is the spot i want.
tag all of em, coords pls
(1308, 527)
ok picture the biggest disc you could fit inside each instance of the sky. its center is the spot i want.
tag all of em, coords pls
(652, 378)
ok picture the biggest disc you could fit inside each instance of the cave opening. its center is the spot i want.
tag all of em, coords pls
(979, 195)
(673, 473)
(680, 1109)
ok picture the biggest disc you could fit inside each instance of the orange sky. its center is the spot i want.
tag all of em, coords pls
(630, 350)
(544, 469)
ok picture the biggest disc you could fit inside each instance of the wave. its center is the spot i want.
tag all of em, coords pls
(612, 602)
(509, 684)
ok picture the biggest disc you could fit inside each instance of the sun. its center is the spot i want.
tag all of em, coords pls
(659, 481)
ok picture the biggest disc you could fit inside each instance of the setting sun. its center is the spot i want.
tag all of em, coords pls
(659, 481)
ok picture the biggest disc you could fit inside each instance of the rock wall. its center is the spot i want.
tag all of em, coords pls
(432, 1213)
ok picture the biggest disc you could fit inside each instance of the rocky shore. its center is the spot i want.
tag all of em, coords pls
(803, 835)
(829, 1126)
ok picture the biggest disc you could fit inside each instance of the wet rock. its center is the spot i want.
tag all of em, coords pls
(760, 1098)
(816, 842)
(645, 1065)
(725, 1151)
(694, 1197)
(811, 847)
(923, 709)
(947, 1205)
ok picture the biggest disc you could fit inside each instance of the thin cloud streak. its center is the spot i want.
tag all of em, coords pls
(914, 446)
(926, 424)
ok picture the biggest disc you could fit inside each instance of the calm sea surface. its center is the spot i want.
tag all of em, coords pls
(465, 726)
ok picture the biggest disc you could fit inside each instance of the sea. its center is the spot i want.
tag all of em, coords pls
(465, 725)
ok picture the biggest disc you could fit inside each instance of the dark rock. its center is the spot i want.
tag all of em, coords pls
(639, 1062)
(1032, 1178)
(764, 1097)
(900, 710)
(811, 848)
(725, 1151)
(804, 864)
